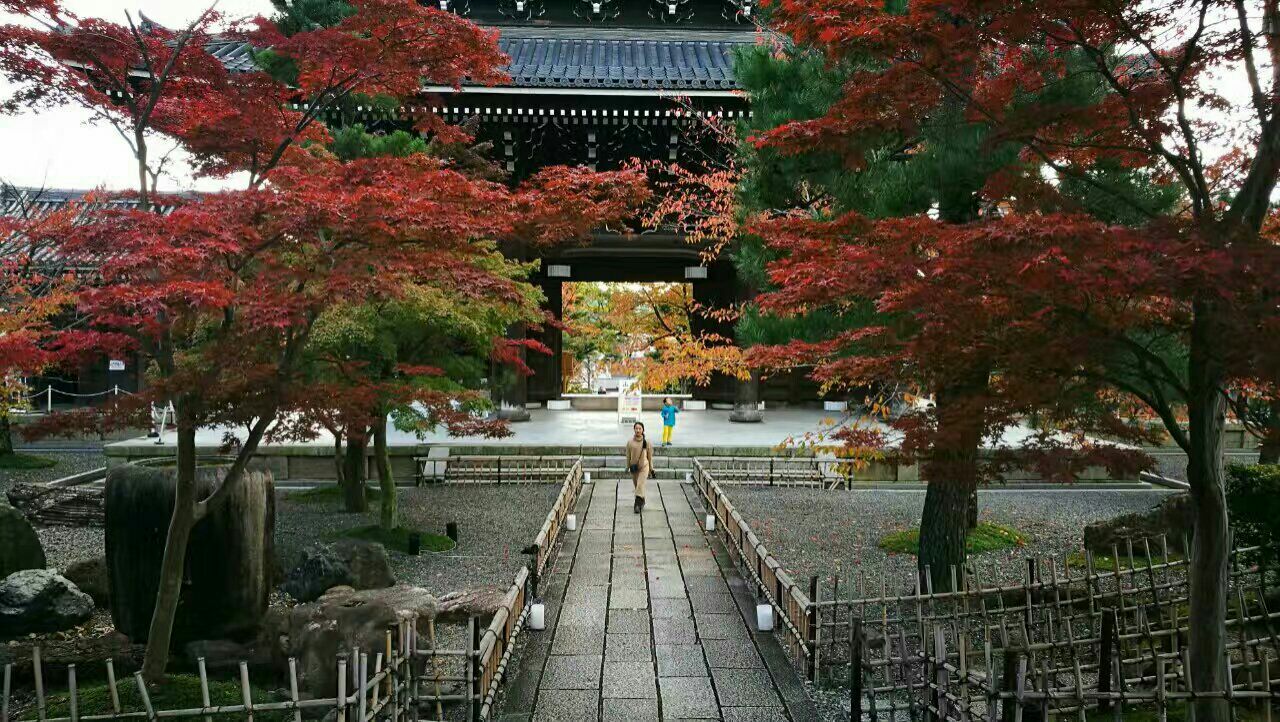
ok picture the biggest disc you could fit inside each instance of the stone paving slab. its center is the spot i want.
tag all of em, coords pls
(649, 629)
(629, 680)
(574, 671)
(688, 698)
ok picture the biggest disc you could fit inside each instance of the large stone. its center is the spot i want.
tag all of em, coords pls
(229, 556)
(1172, 518)
(90, 575)
(40, 600)
(350, 562)
(345, 619)
(19, 546)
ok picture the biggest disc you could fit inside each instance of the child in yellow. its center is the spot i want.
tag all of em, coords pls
(669, 412)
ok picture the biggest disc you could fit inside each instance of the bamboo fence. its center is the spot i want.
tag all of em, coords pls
(407, 679)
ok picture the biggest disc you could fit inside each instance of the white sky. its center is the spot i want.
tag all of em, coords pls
(58, 149)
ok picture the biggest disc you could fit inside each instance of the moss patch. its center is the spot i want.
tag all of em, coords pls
(179, 691)
(398, 538)
(23, 462)
(986, 538)
(329, 494)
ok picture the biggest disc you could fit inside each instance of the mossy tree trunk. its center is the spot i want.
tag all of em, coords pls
(388, 517)
(6, 434)
(950, 503)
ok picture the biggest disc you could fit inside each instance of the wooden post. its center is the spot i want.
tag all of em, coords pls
(1009, 680)
(1105, 652)
(811, 632)
(474, 668)
(855, 669)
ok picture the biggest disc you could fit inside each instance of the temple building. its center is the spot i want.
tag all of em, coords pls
(596, 83)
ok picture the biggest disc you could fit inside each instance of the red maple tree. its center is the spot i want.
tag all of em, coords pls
(222, 292)
(1105, 301)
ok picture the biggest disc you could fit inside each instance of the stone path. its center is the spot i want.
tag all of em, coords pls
(648, 628)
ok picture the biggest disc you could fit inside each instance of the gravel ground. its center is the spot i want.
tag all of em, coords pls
(62, 544)
(495, 523)
(69, 462)
(835, 533)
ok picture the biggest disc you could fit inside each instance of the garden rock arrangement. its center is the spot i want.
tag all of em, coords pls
(350, 563)
(40, 600)
(92, 577)
(19, 546)
(1171, 519)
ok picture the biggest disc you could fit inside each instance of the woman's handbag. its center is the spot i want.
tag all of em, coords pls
(634, 468)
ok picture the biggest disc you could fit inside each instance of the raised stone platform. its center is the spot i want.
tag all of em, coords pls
(594, 435)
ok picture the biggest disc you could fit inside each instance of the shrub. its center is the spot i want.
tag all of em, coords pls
(1253, 500)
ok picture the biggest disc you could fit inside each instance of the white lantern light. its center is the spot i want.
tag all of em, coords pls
(572, 522)
(688, 477)
(586, 478)
(711, 522)
(764, 617)
(538, 616)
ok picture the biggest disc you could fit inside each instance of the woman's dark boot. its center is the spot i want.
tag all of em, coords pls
(639, 503)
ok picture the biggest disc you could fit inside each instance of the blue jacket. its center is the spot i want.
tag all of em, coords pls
(669, 415)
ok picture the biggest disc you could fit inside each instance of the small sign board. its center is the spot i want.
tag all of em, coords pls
(115, 365)
(629, 404)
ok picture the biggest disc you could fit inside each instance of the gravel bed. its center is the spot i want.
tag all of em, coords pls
(835, 533)
(62, 544)
(495, 523)
(69, 462)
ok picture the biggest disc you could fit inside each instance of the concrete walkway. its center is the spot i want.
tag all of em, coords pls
(648, 628)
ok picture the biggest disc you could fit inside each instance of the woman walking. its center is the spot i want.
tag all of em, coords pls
(639, 462)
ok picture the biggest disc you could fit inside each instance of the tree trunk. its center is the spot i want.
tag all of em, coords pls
(337, 458)
(746, 402)
(1210, 555)
(175, 554)
(1269, 451)
(6, 435)
(389, 513)
(353, 478)
(950, 502)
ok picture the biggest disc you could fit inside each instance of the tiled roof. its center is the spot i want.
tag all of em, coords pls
(701, 62)
(620, 63)
(236, 55)
(37, 202)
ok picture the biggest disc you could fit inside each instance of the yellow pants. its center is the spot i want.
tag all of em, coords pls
(666, 434)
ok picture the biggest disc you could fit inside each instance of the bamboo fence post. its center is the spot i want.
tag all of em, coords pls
(111, 687)
(855, 668)
(246, 693)
(36, 669)
(293, 689)
(73, 693)
(205, 700)
(341, 702)
(145, 695)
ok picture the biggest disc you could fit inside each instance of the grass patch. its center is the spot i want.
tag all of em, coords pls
(179, 691)
(398, 538)
(329, 494)
(1102, 563)
(986, 538)
(23, 462)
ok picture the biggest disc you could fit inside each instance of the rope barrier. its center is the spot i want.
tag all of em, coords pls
(49, 391)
